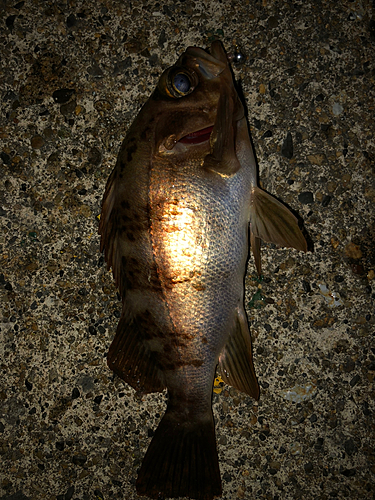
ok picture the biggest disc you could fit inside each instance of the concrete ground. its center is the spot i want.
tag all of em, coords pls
(73, 75)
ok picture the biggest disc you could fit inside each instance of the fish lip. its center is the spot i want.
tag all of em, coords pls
(198, 136)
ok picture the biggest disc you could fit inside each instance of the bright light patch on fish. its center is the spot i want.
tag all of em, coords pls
(332, 298)
(184, 242)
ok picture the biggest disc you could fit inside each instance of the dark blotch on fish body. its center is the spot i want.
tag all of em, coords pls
(130, 151)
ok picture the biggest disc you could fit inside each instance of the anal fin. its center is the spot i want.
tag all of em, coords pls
(131, 359)
(236, 361)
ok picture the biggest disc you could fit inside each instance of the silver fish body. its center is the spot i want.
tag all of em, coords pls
(175, 229)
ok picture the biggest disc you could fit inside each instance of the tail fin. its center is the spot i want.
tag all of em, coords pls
(181, 460)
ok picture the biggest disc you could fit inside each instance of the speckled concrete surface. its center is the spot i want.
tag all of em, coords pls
(73, 75)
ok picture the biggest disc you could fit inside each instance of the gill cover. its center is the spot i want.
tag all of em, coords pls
(223, 159)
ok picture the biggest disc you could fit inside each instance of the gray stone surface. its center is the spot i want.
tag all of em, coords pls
(73, 75)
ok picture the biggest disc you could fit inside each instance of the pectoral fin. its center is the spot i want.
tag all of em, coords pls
(271, 221)
(236, 361)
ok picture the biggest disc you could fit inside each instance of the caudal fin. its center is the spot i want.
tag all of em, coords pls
(181, 460)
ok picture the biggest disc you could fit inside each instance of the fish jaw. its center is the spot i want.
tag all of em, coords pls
(195, 143)
(197, 136)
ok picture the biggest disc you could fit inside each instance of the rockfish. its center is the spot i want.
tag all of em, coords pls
(175, 223)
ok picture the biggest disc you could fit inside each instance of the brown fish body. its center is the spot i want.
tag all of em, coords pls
(174, 226)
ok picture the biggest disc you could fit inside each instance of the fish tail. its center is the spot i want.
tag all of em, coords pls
(181, 460)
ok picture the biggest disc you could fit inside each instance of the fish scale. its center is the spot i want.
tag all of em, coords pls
(197, 278)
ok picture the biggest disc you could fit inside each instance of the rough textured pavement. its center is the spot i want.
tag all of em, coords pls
(73, 75)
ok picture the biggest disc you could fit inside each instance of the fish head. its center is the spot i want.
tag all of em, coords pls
(196, 106)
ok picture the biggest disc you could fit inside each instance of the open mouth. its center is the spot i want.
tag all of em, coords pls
(198, 136)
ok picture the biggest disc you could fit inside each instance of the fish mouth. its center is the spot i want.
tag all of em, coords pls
(198, 136)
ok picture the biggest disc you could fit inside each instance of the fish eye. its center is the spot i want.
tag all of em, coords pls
(181, 83)
(178, 82)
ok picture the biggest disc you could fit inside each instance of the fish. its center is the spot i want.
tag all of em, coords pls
(179, 211)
